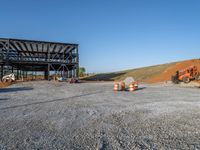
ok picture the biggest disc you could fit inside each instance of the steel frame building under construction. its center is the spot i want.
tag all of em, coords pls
(22, 56)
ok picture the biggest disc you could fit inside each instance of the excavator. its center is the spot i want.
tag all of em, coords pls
(186, 75)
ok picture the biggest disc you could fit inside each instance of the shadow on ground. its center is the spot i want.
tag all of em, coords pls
(3, 90)
(4, 99)
(140, 88)
(50, 101)
(104, 77)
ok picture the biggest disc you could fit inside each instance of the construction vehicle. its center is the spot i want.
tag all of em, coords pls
(186, 75)
(8, 78)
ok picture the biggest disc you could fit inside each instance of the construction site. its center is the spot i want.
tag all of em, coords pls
(100, 75)
(25, 56)
(119, 110)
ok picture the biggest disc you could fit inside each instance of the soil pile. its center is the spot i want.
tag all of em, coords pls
(2, 85)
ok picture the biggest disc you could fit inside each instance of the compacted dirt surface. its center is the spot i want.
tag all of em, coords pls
(52, 115)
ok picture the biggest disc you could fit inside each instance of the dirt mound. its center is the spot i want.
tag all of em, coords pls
(2, 85)
(151, 74)
(166, 75)
(139, 74)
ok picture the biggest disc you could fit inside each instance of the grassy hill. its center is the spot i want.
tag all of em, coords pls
(149, 74)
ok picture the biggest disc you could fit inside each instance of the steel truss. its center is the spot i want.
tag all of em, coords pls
(22, 56)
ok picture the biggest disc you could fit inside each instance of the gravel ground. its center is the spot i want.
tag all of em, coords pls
(52, 115)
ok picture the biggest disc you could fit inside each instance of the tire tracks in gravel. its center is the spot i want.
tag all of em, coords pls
(51, 101)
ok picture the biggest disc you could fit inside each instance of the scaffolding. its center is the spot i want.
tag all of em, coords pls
(24, 56)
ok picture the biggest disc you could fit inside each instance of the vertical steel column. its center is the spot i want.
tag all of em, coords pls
(20, 73)
(77, 66)
(73, 72)
(35, 75)
(2, 67)
(7, 52)
(23, 73)
(17, 73)
(45, 75)
(1, 58)
(48, 67)
(61, 73)
(67, 72)
(48, 71)
(63, 69)
(32, 72)
(70, 73)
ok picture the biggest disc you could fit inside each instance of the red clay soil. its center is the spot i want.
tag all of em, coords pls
(2, 85)
(166, 75)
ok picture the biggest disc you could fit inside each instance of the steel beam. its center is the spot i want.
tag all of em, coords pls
(40, 55)
(48, 71)
(77, 61)
(17, 73)
(2, 71)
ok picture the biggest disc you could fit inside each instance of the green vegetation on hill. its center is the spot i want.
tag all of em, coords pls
(141, 74)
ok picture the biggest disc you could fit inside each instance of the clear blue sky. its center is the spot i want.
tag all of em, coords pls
(113, 34)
